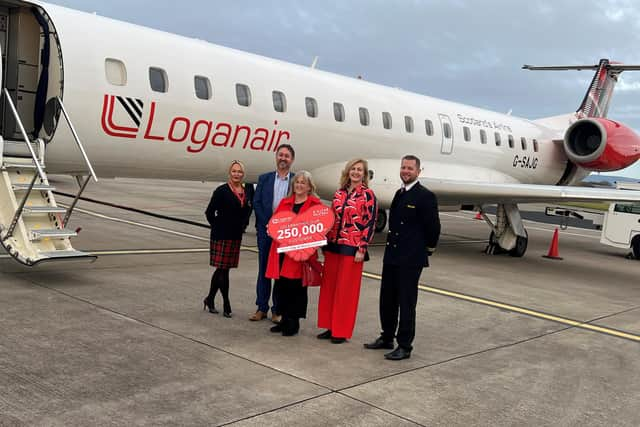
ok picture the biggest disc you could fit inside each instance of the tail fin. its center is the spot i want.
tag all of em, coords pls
(598, 97)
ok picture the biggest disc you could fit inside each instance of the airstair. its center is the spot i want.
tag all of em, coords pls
(32, 225)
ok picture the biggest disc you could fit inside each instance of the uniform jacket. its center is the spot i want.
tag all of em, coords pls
(414, 227)
(291, 269)
(355, 220)
(228, 219)
(263, 199)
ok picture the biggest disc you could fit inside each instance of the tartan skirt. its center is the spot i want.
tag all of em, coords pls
(224, 253)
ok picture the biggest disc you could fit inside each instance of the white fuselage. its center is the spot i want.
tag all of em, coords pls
(183, 137)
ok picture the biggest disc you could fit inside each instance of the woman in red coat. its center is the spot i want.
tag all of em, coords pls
(287, 272)
(355, 208)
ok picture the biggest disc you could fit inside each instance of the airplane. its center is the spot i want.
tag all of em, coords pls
(90, 97)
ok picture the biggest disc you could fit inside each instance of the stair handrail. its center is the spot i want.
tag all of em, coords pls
(40, 172)
(77, 139)
(86, 160)
(24, 134)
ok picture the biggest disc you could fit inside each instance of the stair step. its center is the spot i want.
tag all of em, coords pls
(37, 187)
(66, 254)
(44, 210)
(19, 166)
(54, 233)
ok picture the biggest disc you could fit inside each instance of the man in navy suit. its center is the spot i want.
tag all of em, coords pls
(414, 229)
(272, 188)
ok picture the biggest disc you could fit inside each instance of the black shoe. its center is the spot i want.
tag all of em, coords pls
(227, 314)
(398, 354)
(325, 335)
(276, 329)
(207, 303)
(290, 326)
(378, 344)
(337, 340)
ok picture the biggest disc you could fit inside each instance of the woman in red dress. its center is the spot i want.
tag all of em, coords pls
(355, 208)
(287, 272)
(228, 214)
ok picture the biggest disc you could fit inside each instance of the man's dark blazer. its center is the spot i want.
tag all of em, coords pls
(414, 227)
(263, 199)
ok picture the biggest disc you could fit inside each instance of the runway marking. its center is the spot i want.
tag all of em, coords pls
(139, 224)
(521, 310)
(149, 251)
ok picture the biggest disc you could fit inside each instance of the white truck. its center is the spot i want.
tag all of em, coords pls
(621, 225)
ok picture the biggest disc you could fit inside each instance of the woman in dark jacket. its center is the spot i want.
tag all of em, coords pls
(228, 214)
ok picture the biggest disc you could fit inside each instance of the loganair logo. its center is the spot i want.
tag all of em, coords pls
(125, 117)
(132, 106)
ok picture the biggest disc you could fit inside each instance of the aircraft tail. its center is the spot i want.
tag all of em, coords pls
(598, 97)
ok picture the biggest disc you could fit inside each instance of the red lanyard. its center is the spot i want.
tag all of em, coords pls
(240, 196)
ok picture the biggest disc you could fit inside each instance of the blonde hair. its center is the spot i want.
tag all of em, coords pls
(307, 176)
(233, 163)
(344, 178)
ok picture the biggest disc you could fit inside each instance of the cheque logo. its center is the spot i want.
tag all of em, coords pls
(132, 107)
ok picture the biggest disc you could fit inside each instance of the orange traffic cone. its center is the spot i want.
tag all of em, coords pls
(553, 249)
(478, 216)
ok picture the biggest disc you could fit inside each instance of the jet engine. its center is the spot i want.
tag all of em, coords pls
(601, 145)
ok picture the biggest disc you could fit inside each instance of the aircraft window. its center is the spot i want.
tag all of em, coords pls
(483, 136)
(511, 141)
(535, 145)
(467, 133)
(386, 120)
(496, 135)
(408, 124)
(202, 86)
(338, 112)
(627, 208)
(158, 79)
(279, 101)
(446, 128)
(364, 116)
(428, 127)
(243, 94)
(115, 71)
(312, 107)
(523, 143)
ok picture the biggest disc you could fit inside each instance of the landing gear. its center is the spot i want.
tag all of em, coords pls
(508, 234)
(381, 220)
(521, 246)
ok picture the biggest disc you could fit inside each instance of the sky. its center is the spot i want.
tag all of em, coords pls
(464, 51)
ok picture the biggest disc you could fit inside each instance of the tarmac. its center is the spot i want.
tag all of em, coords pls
(124, 340)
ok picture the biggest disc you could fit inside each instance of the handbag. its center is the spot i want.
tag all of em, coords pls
(312, 272)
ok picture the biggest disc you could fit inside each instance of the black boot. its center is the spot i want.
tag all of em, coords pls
(291, 326)
(209, 301)
(224, 290)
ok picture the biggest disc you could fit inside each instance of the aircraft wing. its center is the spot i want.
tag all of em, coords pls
(468, 192)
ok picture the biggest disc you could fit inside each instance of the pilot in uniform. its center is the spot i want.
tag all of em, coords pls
(414, 229)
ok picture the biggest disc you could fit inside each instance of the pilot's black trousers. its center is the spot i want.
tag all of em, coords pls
(399, 292)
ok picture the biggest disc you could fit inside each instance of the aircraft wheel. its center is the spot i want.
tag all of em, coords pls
(493, 248)
(635, 247)
(521, 246)
(381, 220)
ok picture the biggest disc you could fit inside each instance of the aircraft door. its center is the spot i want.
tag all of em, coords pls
(447, 134)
